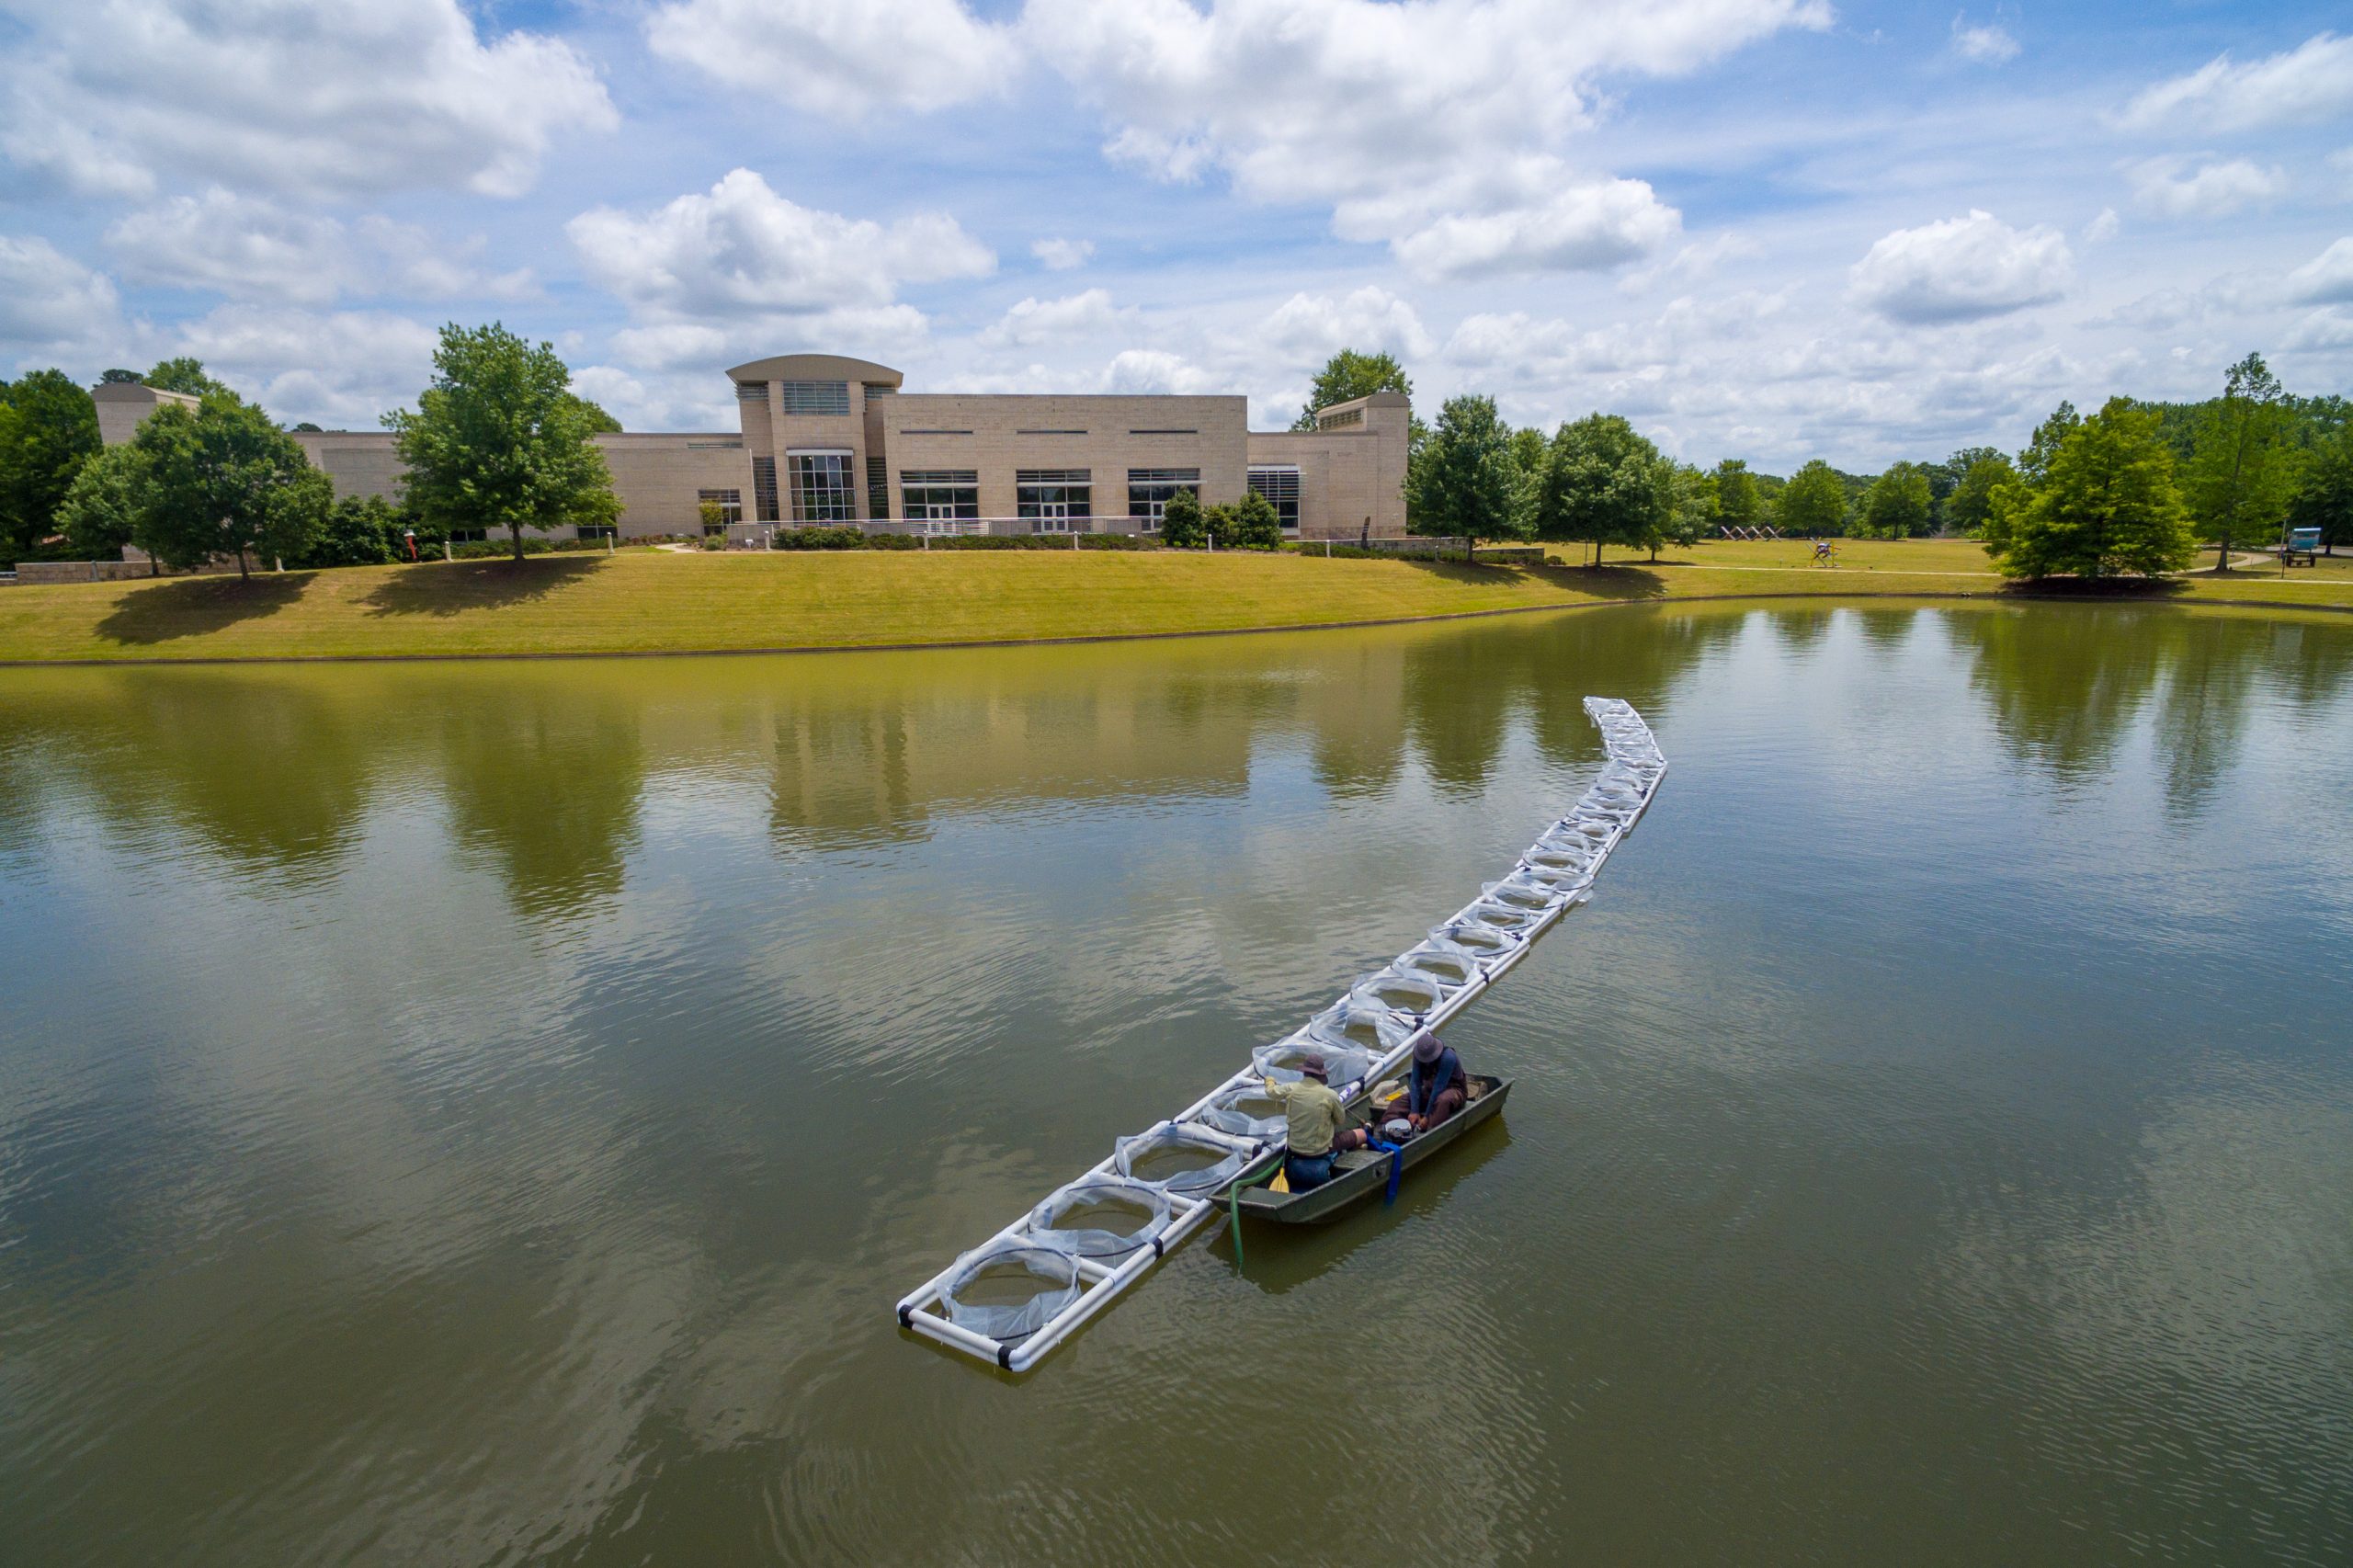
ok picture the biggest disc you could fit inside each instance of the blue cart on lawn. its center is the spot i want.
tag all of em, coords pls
(2302, 548)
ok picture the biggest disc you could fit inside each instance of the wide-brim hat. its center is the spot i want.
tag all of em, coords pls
(1313, 1066)
(1425, 1049)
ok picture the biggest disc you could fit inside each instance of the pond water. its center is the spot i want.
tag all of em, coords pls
(484, 1113)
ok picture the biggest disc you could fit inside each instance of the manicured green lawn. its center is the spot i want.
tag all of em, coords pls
(630, 603)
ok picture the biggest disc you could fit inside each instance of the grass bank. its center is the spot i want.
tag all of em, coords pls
(632, 603)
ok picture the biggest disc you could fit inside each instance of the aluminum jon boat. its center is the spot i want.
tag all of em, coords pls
(1012, 1299)
(1361, 1173)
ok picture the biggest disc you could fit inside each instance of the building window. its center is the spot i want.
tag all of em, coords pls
(1051, 497)
(821, 487)
(714, 446)
(935, 432)
(1279, 485)
(597, 530)
(731, 508)
(939, 494)
(1050, 431)
(1164, 431)
(1150, 488)
(878, 388)
(1334, 421)
(751, 392)
(764, 489)
(821, 398)
(878, 488)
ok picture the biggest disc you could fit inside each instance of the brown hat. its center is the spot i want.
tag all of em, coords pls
(1426, 1048)
(1312, 1065)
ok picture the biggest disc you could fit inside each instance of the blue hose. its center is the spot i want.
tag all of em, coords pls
(1396, 1167)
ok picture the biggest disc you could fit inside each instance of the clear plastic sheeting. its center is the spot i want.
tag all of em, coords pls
(1444, 962)
(1100, 1217)
(1007, 1290)
(1400, 991)
(1244, 1111)
(1045, 1274)
(1350, 1025)
(1179, 1158)
(1342, 1064)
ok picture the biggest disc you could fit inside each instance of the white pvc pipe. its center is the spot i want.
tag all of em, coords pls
(1629, 740)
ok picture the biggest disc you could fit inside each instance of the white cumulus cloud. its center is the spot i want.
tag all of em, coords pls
(2304, 85)
(341, 368)
(1060, 255)
(1035, 321)
(1961, 270)
(2167, 188)
(333, 97)
(1435, 127)
(2327, 279)
(841, 57)
(1308, 329)
(48, 299)
(739, 262)
(1988, 43)
(248, 247)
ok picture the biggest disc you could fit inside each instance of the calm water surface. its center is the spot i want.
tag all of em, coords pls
(483, 1114)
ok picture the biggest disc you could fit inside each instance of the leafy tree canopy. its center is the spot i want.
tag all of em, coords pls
(102, 509)
(1347, 376)
(2243, 463)
(599, 422)
(1603, 484)
(2044, 446)
(2324, 498)
(2106, 504)
(1738, 500)
(1812, 504)
(182, 375)
(1899, 502)
(498, 440)
(1464, 480)
(222, 479)
(118, 376)
(1183, 525)
(48, 428)
(1971, 501)
(1252, 524)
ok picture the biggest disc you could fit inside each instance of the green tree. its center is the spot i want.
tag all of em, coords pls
(2324, 498)
(116, 378)
(358, 530)
(1812, 504)
(182, 375)
(2242, 469)
(1347, 376)
(2106, 504)
(101, 511)
(2049, 436)
(1183, 525)
(599, 422)
(1971, 501)
(1945, 478)
(499, 441)
(1463, 481)
(1695, 511)
(1899, 504)
(223, 480)
(1738, 502)
(48, 428)
(1603, 484)
(1254, 524)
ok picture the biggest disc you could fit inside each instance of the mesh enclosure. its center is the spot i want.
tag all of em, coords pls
(1344, 1063)
(1007, 1290)
(1477, 937)
(1097, 1217)
(1349, 1025)
(1445, 963)
(1399, 990)
(1246, 1110)
(1187, 1161)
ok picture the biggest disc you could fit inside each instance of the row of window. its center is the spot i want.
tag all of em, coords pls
(821, 488)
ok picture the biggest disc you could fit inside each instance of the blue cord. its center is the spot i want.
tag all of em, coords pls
(1396, 1167)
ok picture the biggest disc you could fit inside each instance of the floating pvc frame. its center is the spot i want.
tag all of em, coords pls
(1602, 817)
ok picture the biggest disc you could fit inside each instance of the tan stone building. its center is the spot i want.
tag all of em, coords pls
(829, 441)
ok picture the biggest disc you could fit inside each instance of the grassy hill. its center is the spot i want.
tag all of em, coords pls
(642, 602)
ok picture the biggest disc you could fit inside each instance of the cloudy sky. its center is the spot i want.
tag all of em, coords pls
(1772, 228)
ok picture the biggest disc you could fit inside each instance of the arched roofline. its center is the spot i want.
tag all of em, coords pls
(812, 368)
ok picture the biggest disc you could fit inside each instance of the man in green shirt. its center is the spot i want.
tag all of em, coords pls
(1315, 1116)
